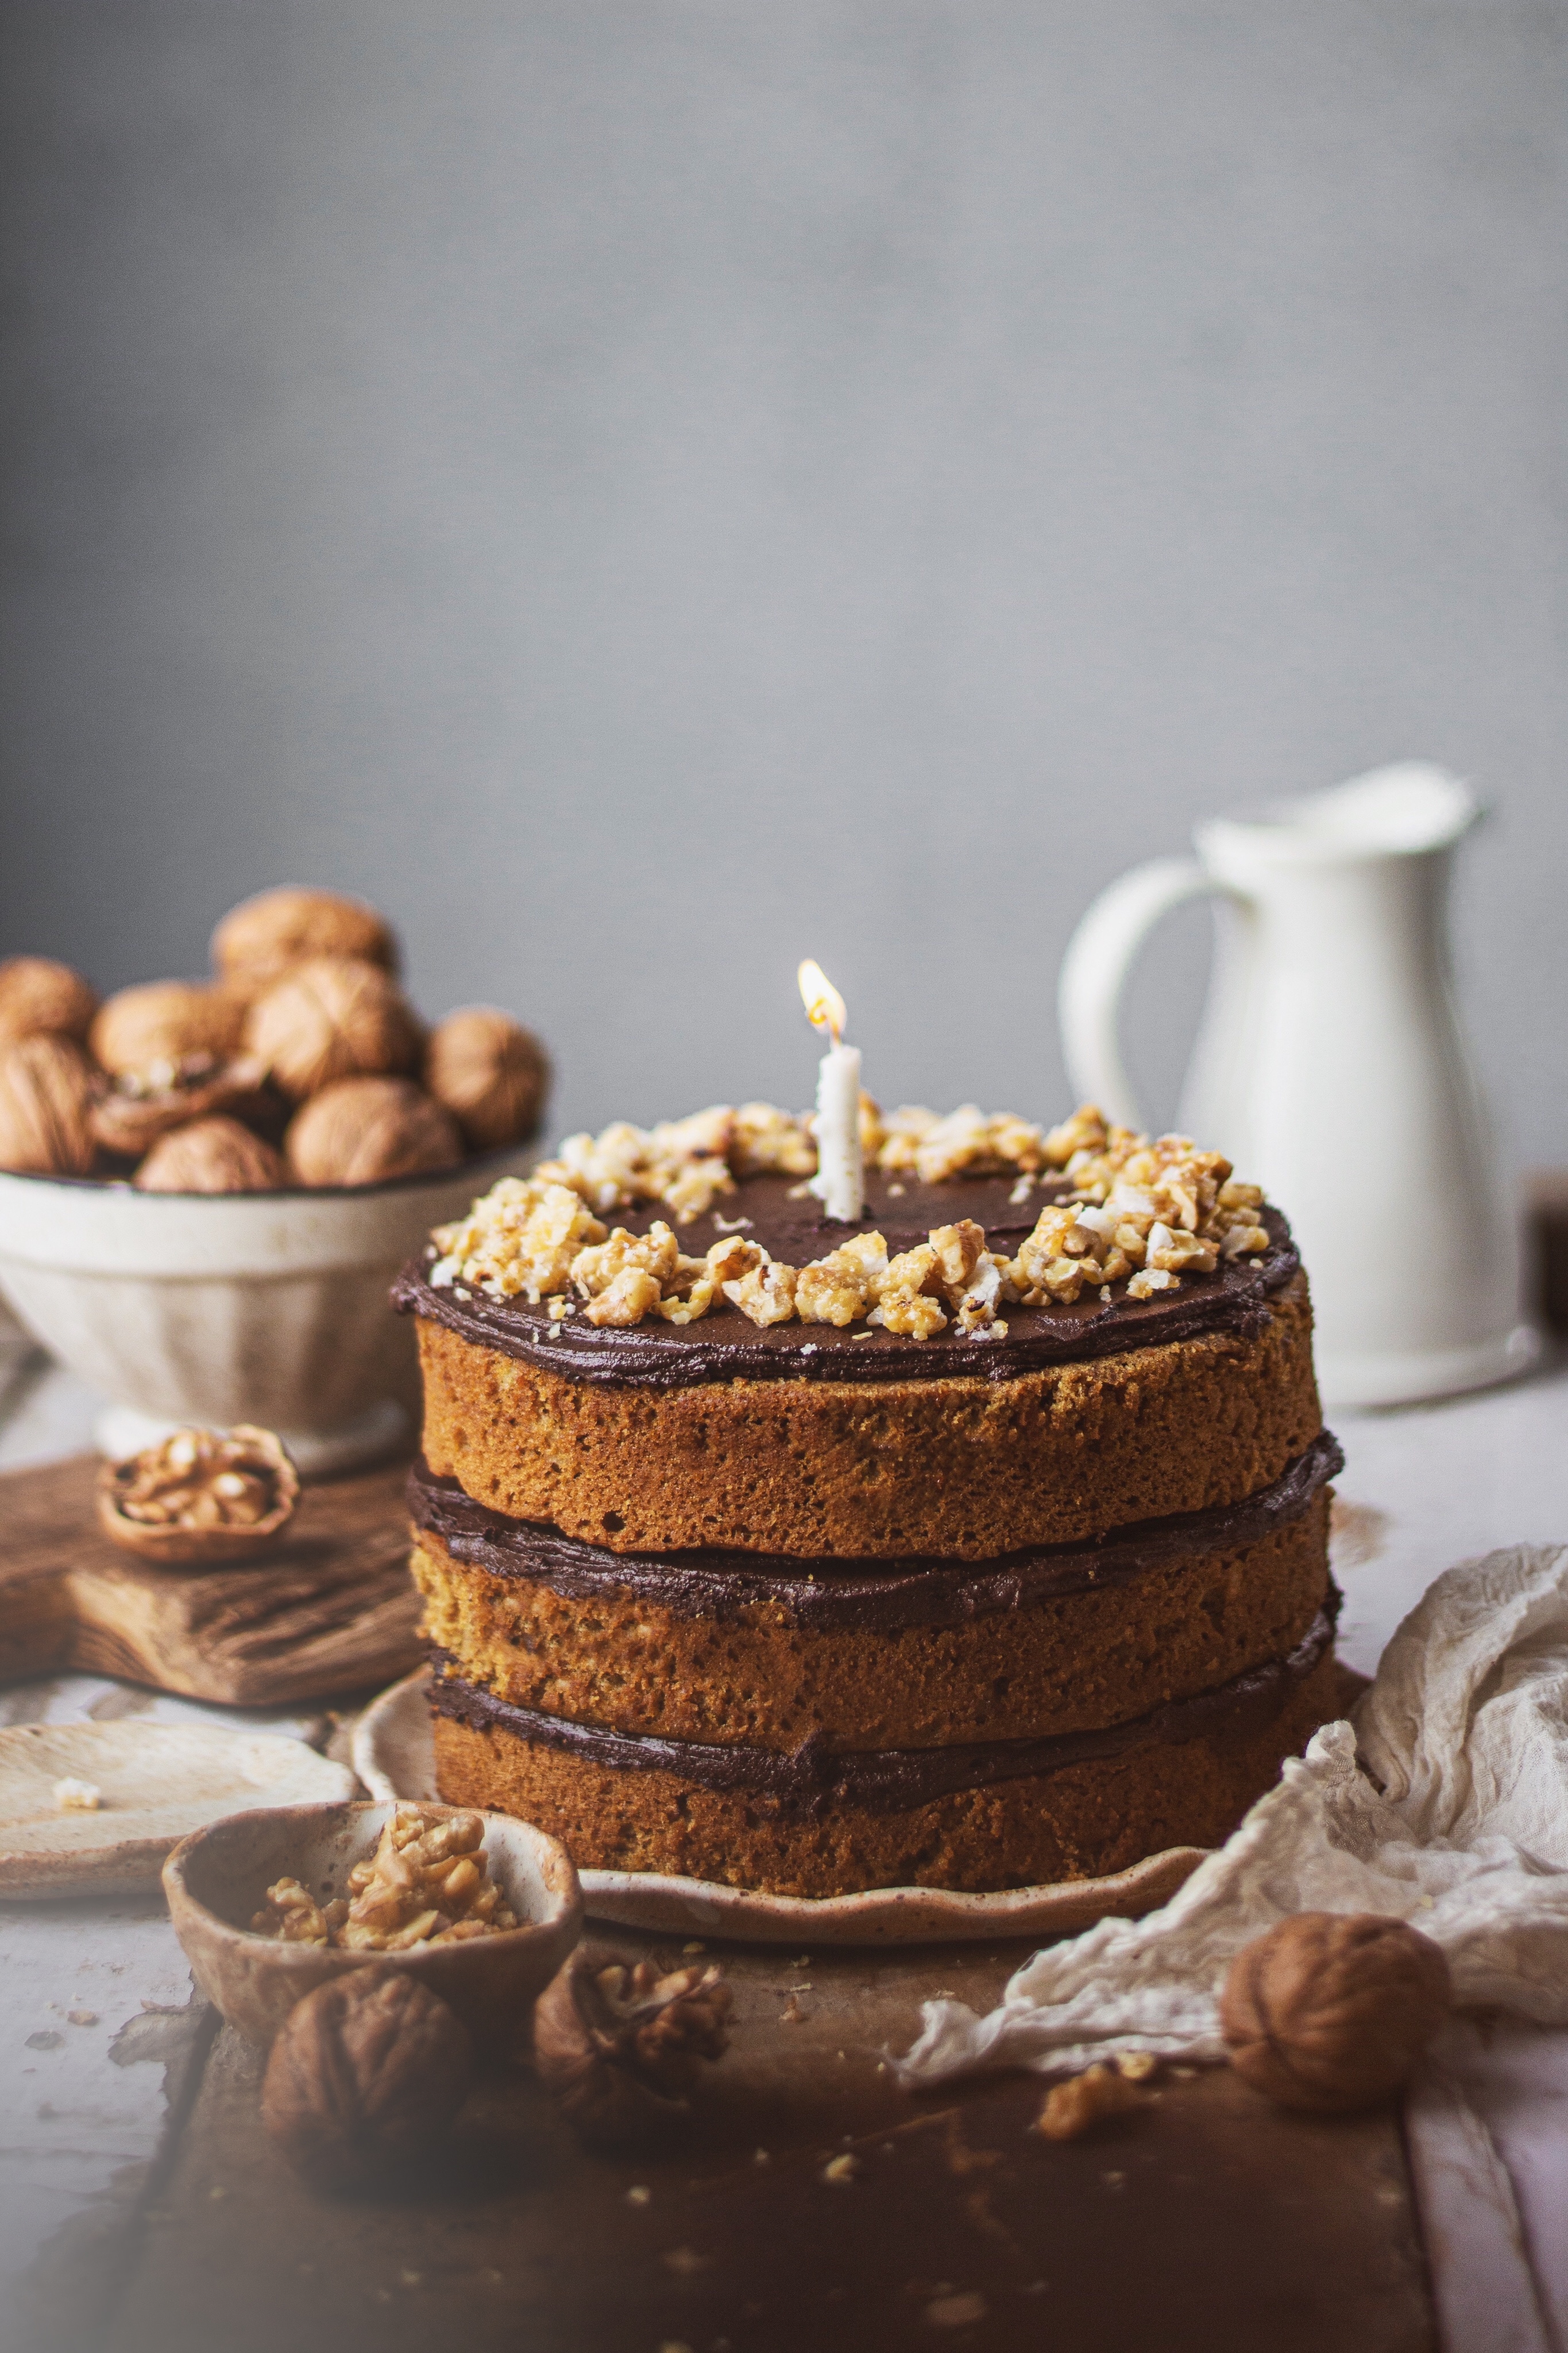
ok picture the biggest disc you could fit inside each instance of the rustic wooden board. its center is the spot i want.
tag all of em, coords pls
(332, 1611)
(1207, 2219)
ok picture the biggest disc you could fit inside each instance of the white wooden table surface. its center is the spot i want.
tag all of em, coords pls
(97, 2008)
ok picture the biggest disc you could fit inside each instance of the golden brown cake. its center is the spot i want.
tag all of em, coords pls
(979, 1545)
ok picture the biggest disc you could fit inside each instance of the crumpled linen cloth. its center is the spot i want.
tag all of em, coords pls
(1466, 1730)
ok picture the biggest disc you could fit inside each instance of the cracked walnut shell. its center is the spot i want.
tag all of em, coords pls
(264, 937)
(133, 1111)
(365, 1131)
(203, 1496)
(492, 1074)
(161, 1021)
(39, 996)
(618, 2048)
(211, 1155)
(332, 1018)
(1331, 2011)
(367, 2072)
(45, 1087)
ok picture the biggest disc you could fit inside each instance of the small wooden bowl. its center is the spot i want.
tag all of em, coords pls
(216, 1880)
(177, 1547)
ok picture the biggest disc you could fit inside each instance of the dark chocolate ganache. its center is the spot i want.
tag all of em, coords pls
(814, 1781)
(723, 1346)
(826, 1594)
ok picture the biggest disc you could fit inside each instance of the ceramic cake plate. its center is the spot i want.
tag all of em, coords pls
(394, 1756)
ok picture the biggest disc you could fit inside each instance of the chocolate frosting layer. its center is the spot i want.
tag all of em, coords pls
(724, 1346)
(814, 1781)
(827, 1593)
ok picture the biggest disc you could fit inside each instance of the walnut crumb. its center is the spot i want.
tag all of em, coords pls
(1072, 2107)
(74, 1797)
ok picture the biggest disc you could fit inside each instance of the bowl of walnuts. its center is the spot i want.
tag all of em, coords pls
(483, 1909)
(207, 1187)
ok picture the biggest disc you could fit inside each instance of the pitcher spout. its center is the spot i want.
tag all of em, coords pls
(1410, 808)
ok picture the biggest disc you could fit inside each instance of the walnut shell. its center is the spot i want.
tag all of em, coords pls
(211, 1155)
(45, 1087)
(39, 996)
(332, 1018)
(129, 1115)
(364, 1131)
(161, 1021)
(492, 1074)
(264, 937)
(1331, 2011)
(200, 1498)
(367, 2072)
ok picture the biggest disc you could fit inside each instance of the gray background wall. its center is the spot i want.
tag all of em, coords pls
(646, 493)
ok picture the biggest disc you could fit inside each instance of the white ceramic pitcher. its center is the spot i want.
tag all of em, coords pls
(1330, 1069)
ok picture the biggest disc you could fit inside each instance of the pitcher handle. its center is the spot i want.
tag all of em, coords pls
(1100, 956)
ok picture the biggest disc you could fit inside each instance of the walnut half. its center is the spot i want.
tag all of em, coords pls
(204, 1497)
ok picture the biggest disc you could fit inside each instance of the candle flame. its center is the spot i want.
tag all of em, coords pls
(824, 1006)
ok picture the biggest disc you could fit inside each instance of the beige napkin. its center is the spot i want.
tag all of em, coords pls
(1455, 1818)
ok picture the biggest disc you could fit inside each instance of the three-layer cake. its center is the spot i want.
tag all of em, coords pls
(981, 1544)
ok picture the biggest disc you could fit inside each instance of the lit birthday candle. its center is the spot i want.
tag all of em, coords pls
(839, 1182)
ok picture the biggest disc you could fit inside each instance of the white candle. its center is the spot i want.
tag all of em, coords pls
(839, 1183)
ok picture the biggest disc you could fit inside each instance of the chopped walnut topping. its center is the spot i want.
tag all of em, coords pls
(682, 1163)
(767, 1295)
(655, 1254)
(427, 1883)
(902, 1132)
(1085, 1132)
(966, 1139)
(838, 1288)
(959, 1250)
(976, 1309)
(691, 1191)
(904, 1297)
(1142, 1212)
(765, 1137)
(729, 1260)
(518, 1240)
(632, 1294)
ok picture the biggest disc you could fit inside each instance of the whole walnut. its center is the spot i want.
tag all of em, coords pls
(332, 1018)
(46, 1089)
(39, 996)
(362, 1130)
(263, 937)
(366, 2072)
(161, 1021)
(1331, 2011)
(211, 1155)
(492, 1074)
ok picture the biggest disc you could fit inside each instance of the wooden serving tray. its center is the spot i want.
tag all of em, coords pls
(332, 1611)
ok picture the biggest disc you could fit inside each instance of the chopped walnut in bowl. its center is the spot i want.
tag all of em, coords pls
(215, 1879)
(427, 1884)
(201, 1497)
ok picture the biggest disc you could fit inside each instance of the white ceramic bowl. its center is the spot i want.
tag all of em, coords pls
(219, 1308)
